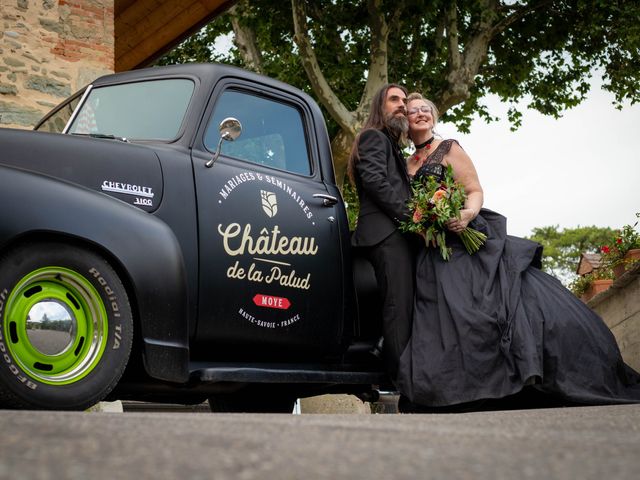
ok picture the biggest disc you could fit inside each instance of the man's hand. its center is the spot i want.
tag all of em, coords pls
(424, 239)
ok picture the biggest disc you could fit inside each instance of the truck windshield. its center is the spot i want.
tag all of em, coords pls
(151, 110)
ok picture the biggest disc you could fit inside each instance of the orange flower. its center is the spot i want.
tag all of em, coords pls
(417, 216)
(439, 195)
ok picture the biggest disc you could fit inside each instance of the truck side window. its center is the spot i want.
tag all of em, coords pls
(56, 122)
(272, 132)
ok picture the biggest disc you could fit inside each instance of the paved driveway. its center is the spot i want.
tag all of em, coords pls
(569, 443)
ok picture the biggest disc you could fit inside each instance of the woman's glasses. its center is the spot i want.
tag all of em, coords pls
(415, 110)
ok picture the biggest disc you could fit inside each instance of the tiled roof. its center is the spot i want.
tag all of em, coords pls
(588, 262)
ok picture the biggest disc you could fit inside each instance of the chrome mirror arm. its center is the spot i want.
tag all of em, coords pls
(213, 159)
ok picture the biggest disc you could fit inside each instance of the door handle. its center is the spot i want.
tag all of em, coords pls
(327, 200)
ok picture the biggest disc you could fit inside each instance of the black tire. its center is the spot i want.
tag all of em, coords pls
(66, 327)
(246, 401)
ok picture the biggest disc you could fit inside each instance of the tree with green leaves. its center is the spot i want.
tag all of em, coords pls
(562, 248)
(455, 52)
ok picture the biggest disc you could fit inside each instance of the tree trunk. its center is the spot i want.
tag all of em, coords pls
(341, 149)
(245, 38)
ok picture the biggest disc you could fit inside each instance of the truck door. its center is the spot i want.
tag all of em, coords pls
(271, 269)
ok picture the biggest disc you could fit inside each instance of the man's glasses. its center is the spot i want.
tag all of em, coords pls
(415, 110)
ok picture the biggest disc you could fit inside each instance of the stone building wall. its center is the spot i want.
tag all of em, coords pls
(619, 306)
(48, 50)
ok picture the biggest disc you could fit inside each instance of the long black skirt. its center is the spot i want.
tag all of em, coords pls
(488, 325)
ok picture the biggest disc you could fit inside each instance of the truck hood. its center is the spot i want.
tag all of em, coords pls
(129, 172)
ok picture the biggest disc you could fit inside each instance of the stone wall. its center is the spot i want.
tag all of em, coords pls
(334, 404)
(48, 50)
(619, 306)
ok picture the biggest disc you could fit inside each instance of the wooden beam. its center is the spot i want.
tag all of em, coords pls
(146, 29)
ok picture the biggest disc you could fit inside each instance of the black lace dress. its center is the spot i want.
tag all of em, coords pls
(487, 325)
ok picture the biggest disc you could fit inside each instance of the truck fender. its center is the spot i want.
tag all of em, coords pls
(144, 247)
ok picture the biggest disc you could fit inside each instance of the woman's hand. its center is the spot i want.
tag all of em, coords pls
(457, 225)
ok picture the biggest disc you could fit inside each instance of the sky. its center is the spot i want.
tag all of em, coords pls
(580, 170)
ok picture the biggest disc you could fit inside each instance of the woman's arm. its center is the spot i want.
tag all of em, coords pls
(465, 173)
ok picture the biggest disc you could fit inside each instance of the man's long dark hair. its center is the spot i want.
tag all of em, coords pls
(376, 120)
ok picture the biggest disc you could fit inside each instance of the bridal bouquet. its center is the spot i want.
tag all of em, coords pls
(432, 204)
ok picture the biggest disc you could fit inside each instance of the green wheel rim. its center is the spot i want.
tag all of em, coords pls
(55, 351)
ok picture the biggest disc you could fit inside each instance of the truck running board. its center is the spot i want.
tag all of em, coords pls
(273, 374)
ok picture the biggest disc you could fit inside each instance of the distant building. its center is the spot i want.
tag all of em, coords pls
(588, 263)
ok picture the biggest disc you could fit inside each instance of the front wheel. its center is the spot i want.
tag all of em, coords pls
(66, 327)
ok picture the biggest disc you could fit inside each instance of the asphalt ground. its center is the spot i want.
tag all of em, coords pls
(562, 443)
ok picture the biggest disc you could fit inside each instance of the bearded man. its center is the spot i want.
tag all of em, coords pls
(378, 169)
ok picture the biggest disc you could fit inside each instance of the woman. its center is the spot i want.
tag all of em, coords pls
(492, 325)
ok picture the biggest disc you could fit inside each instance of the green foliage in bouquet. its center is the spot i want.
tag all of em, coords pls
(433, 203)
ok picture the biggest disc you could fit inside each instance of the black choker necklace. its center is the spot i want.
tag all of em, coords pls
(425, 144)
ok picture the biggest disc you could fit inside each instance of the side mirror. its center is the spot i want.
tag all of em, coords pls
(230, 128)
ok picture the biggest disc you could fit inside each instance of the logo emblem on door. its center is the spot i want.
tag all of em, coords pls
(269, 203)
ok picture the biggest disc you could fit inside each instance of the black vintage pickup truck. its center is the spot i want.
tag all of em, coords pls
(175, 234)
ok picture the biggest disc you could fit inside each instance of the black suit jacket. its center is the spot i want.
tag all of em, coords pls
(383, 187)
